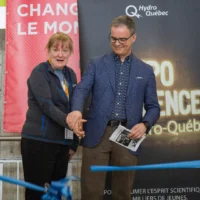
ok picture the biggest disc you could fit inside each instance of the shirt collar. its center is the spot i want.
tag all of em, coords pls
(127, 59)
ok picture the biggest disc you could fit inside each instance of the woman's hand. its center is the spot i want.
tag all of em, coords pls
(71, 153)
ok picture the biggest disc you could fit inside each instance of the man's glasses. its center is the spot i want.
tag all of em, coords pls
(120, 40)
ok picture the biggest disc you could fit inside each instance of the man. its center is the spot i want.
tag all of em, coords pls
(121, 85)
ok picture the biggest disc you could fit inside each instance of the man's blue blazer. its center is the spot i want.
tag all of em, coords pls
(99, 78)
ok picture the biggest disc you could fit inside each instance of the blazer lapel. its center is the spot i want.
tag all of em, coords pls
(133, 74)
(110, 68)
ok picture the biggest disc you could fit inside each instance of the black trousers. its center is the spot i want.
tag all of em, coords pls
(42, 163)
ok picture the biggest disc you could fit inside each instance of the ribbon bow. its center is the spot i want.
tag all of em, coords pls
(59, 189)
(55, 191)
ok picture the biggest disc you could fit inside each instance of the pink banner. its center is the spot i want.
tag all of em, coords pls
(29, 24)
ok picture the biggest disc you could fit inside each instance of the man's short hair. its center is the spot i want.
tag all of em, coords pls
(124, 20)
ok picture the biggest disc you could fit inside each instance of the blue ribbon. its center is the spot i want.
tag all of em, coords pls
(60, 188)
(175, 165)
(55, 191)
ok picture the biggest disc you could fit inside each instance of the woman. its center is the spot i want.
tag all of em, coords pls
(47, 144)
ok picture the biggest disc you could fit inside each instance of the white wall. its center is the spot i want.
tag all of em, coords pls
(2, 17)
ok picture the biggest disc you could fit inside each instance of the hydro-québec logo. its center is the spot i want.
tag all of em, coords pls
(143, 10)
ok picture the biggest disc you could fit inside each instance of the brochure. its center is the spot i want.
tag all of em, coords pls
(120, 136)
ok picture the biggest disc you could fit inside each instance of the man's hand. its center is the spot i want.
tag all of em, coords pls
(72, 119)
(137, 131)
(78, 128)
